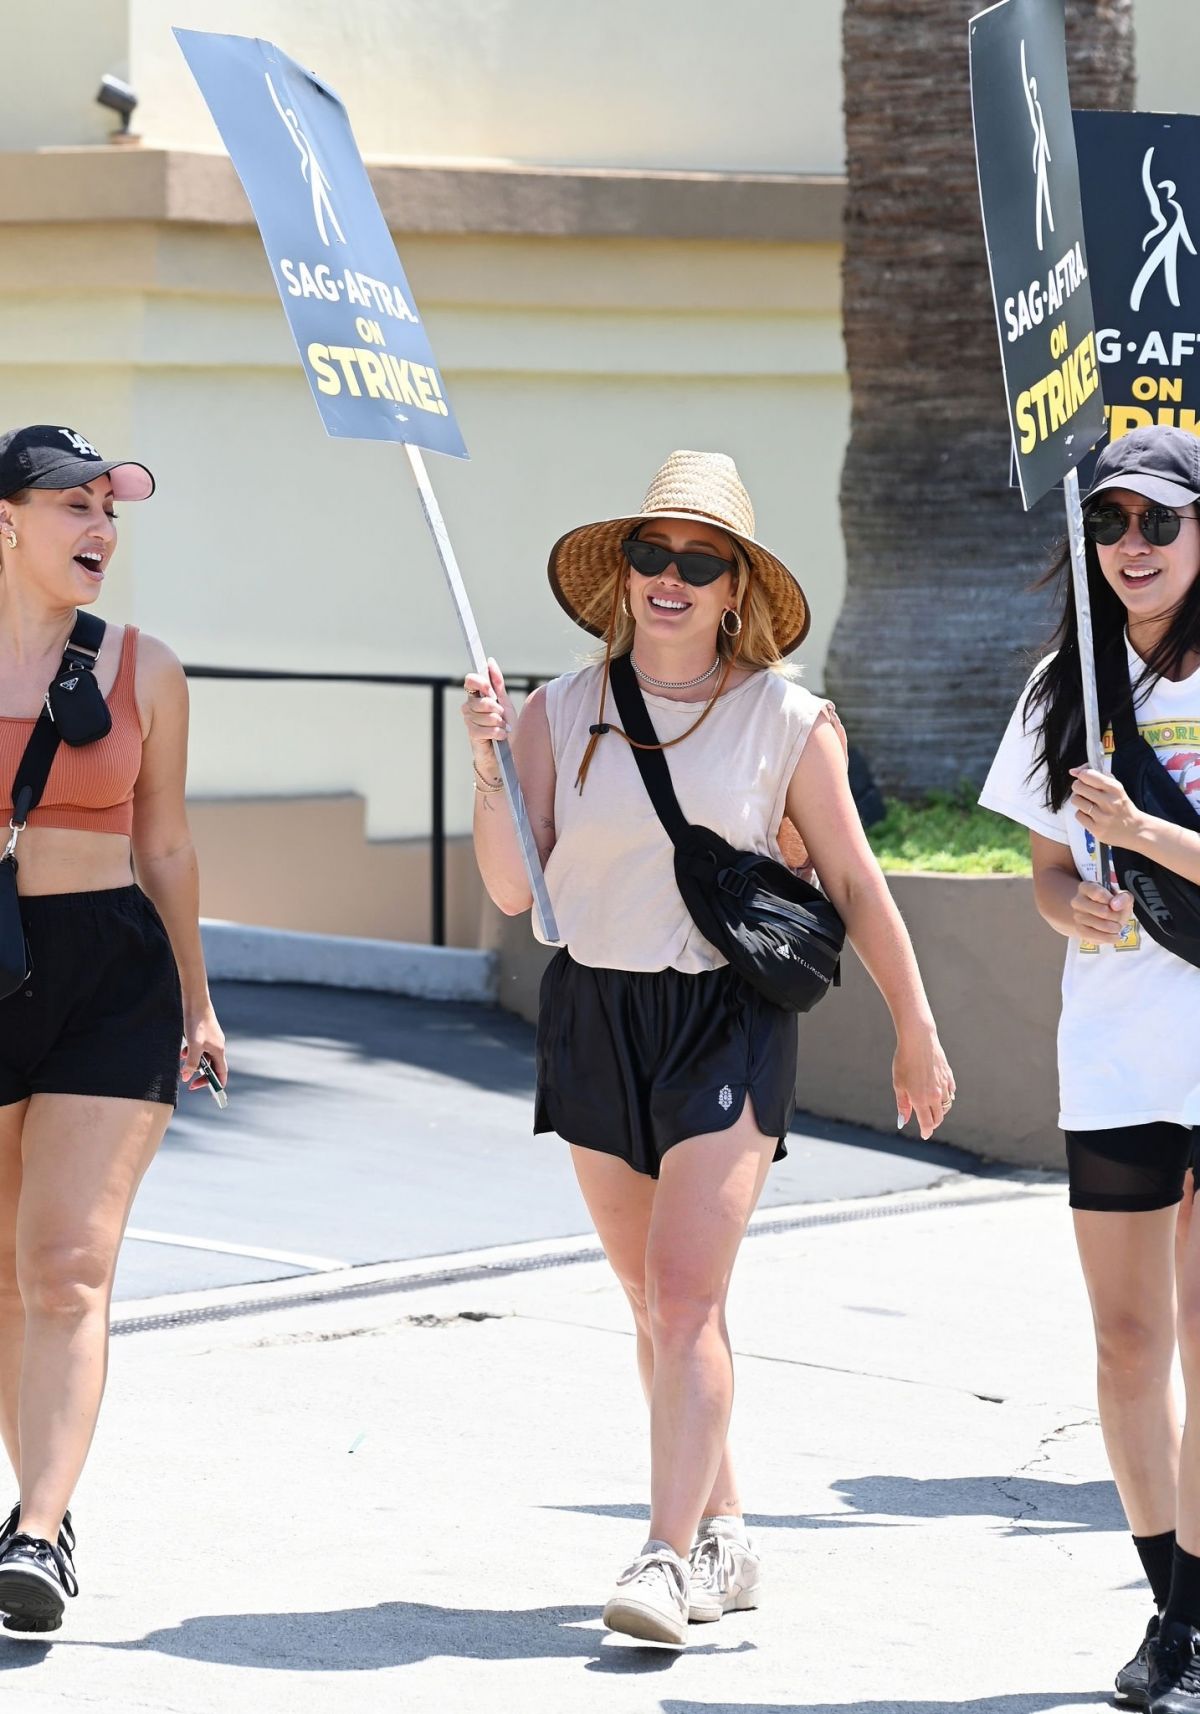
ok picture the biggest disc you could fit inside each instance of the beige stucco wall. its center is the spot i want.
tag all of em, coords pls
(672, 83)
(665, 84)
(575, 366)
(1168, 53)
(576, 358)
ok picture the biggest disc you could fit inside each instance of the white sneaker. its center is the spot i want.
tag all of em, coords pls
(726, 1577)
(651, 1598)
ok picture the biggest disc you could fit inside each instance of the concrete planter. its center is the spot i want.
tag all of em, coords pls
(992, 969)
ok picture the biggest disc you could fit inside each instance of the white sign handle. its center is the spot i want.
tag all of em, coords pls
(504, 755)
(1087, 653)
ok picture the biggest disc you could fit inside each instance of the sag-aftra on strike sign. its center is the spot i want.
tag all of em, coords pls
(1029, 189)
(352, 315)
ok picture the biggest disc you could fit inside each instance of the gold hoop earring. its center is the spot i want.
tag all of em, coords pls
(625, 613)
(731, 613)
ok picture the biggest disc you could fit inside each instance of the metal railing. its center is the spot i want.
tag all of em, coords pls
(519, 684)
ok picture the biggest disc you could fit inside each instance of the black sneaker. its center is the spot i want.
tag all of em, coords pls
(35, 1579)
(66, 1535)
(1133, 1680)
(1174, 1686)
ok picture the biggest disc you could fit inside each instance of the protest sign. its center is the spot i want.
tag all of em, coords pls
(361, 342)
(1139, 176)
(1033, 224)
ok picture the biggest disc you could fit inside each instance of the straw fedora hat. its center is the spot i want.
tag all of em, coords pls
(702, 485)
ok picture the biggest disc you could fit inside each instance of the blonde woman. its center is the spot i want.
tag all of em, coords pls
(89, 1041)
(672, 1080)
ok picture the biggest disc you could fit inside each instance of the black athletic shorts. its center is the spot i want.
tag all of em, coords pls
(631, 1062)
(1129, 1170)
(101, 1013)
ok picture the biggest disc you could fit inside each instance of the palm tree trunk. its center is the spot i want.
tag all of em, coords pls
(932, 641)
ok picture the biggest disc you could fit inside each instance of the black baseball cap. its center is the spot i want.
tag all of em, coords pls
(46, 457)
(1163, 464)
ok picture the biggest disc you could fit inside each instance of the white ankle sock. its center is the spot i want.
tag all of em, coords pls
(726, 1524)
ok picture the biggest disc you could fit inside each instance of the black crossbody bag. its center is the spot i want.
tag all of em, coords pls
(778, 932)
(75, 712)
(1166, 904)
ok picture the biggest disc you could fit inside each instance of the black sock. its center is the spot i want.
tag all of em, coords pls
(1157, 1554)
(1183, 1603)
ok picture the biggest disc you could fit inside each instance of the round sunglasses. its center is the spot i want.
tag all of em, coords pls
(1106, 525)
(651, 559)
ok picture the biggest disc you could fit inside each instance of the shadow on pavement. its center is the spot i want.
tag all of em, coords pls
(403, 1633)
(1034, 1702)
(754, 1520)
(386, 1029)
(1023, 1500)
(1020, 1501)
(16, 1653)
(909, 1148)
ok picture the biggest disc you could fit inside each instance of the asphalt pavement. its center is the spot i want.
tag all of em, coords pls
(376, 1442)
(368, 1128)
(419, 1500)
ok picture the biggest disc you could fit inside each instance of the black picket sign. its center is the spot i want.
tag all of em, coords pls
(1029, 190)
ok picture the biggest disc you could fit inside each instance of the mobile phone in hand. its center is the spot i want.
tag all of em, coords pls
(215, 1087)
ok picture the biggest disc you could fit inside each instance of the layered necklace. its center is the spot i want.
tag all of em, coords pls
(679, 684)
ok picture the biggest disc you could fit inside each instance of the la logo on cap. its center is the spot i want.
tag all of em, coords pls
(83, 447)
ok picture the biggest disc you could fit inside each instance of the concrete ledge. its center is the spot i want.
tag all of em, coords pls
(112, 182)
(993, 973)
(239, 952)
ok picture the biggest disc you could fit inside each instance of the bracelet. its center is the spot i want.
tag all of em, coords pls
(482, 784)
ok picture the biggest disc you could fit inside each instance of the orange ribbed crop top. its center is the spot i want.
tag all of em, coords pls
(90, 789)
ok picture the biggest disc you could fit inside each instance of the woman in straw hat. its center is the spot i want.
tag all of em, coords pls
(673, 1080)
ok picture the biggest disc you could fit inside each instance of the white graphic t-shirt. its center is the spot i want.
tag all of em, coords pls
(1129, 1035)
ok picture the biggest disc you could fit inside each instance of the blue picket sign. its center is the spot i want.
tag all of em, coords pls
(361, 341)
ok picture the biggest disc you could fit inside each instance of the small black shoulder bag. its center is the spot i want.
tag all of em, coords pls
(1166, 904)
(779, 933)
(75, 712)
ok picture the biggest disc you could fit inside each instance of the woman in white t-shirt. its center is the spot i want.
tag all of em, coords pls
(673, 1080)
(1128, 1047)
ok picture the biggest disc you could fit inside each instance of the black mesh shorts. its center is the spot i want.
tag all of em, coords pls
(1129, 1170)
(101, 1013)
(631, 1062)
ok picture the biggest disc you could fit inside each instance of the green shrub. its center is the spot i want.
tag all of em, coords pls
(949, 833)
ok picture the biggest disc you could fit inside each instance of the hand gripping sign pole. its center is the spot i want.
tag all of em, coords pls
(1033, 224)
(504, 755)
(361, 342)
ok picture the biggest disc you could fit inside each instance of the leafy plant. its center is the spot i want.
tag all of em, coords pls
(949, 834)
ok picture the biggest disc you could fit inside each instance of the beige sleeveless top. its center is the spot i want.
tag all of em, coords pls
(611, 874)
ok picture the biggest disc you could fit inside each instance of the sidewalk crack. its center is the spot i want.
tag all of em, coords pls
(1026, 1509)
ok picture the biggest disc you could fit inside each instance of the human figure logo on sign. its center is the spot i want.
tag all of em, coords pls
(1041, 149)
(1165, 254)
(1044, 313)
(362, 346)
(310, 169)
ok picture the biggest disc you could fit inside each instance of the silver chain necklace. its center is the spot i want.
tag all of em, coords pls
(668, 684)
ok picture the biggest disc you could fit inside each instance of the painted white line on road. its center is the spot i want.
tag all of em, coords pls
(315, 1264)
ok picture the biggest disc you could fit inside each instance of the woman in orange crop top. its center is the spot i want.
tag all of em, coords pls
(90, 1043)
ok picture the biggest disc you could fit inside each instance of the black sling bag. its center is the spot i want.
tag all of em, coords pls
(1167, 905)
(74, 711)
(779, 933)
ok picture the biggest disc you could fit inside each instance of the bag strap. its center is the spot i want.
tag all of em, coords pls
(652, 764)
(1116, 691)
(33, 770)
